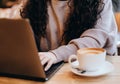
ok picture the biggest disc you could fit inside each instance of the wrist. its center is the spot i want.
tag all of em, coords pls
(54, 56)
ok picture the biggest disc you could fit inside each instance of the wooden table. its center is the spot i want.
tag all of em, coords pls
(65, 76)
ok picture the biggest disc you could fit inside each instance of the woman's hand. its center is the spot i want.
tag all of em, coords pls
(47, 57)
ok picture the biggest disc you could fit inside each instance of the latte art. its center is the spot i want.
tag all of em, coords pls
(90, 51)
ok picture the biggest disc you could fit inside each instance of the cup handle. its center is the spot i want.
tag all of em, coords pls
(73, 61)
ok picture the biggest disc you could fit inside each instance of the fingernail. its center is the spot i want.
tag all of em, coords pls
(45, 69)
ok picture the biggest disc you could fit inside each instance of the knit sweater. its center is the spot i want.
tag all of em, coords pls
(102, 36)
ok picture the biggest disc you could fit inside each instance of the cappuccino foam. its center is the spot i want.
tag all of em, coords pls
(90, 51)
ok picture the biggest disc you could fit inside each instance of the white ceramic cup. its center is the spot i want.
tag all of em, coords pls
(89, 59)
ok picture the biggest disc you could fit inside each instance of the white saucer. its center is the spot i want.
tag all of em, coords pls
(107, 68)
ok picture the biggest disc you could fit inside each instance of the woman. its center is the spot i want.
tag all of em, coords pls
(63, 26)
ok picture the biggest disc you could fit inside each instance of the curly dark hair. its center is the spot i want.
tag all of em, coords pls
(83, 16)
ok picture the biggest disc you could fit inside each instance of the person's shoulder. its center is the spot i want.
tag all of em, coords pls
(107, 1)
(107, 7)
(110, 1)
(107, 4)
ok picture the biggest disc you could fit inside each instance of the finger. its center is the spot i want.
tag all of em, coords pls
(42, 57)
(44, 61)
(48, 65)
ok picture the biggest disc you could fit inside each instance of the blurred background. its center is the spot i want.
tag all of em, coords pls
(116, 5)
(11, 8)
(15, 6)
(7, 3)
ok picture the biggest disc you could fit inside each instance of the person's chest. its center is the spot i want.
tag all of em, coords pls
(57, 15)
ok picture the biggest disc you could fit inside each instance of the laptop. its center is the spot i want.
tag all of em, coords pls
(18, 52)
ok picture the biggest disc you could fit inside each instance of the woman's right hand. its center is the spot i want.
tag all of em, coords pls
(47, 57)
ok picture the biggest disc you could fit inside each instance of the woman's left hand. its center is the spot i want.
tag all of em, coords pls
(47, 57)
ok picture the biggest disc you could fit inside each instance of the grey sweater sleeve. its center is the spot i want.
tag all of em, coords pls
(102, 36)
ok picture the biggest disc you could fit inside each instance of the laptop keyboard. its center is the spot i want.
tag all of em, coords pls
(54, 68)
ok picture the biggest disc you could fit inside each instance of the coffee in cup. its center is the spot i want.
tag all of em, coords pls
(89, 59)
